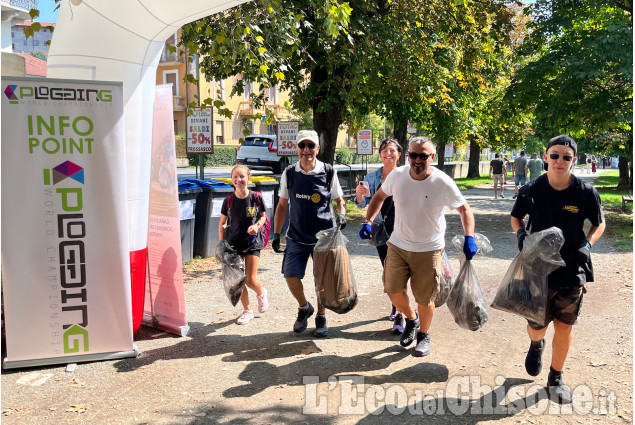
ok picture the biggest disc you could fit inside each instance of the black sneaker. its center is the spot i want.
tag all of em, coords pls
(502, 196)
(423, 344)
(514, 197)
(303, 318)
(533, 361)
(321, 330)
(410, 331)
(558, 391)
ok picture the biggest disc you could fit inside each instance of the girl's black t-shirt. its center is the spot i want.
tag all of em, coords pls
(244, 213)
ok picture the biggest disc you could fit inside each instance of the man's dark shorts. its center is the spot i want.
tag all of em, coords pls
(564, 305)
(296, 257)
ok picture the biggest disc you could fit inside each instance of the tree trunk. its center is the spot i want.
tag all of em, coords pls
(400, 125)
(326, 121)
(441, 156)
(473, 169)
(624, 181)
(327, 124)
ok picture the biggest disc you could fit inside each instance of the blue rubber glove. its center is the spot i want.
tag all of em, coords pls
(364, 233)
(469, 247)
(275, 243)
(340, 220)
(521, 234)
(584, 252)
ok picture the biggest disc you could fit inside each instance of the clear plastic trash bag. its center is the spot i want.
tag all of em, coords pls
(447, 281)
(233, 271)
(524, 289)
(334, 281)
(466, 301)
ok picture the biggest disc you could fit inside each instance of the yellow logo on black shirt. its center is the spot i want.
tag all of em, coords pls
(251, 211)
(315, 197)
(571, 208)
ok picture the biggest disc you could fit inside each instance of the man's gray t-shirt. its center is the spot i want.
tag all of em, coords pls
(520, 162)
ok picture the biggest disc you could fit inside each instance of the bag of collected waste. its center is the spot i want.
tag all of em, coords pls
(334, 280)
(447, 281)
(466, 301)
(233, 271)
(524, 289)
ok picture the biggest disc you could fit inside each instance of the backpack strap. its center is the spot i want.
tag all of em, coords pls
(230, 201)
(330, 171)
(328, 168)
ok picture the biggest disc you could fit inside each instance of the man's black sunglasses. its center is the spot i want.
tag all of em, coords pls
(555, 156)
(423, 156)
(302, 145)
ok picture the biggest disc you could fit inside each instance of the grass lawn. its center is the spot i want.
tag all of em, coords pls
(619, 223)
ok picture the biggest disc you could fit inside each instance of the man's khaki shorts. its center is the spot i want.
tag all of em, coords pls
(422, 268)
(498, 178)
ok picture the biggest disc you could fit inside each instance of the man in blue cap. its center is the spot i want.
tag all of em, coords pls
(307, 187)
(560, 199)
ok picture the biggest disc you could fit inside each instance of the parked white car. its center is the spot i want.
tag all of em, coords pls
(260, 151)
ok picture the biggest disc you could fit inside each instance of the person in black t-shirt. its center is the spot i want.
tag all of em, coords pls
(496, 172)
(239, 225)
(560, 199)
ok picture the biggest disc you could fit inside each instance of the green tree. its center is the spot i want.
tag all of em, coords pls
(304, 47)
(579, 74)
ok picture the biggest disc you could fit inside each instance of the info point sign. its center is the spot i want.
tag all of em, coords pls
(199, 131)
(287, 131)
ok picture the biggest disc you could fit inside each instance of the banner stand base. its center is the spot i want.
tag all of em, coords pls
(181, 330)
(15, 364)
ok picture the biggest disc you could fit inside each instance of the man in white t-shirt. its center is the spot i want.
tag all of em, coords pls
(421, 194)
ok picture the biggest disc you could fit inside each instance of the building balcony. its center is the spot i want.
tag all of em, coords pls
(246, 108)
(179, 103)
(169, 58)
(24, 5)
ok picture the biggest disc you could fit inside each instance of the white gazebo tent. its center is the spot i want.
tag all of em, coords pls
(122, 40)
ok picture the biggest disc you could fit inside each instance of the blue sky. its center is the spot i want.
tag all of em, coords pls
(46, 11)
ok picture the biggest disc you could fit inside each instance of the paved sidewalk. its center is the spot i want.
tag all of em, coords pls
(224, 373)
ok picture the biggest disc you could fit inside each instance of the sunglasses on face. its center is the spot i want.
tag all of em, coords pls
(302, 145)
(555, 156)
(423, 156)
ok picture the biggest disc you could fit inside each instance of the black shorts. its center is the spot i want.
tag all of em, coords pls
(250, 251)
(564, 305)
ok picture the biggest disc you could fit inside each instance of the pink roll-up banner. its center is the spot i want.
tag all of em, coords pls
(164, 306)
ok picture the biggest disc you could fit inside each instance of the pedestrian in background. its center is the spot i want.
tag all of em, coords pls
(496, 166)
(535, 167)
(519, 172)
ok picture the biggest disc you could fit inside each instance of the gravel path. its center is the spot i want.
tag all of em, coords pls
(222, 373)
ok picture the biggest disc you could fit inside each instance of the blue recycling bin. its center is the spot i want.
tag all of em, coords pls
(188, 192)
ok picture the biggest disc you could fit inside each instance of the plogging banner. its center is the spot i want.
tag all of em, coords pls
(65, 254)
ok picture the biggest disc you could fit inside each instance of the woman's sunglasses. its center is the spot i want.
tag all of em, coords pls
(555, 156)
(302, 145)
(423, 156)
